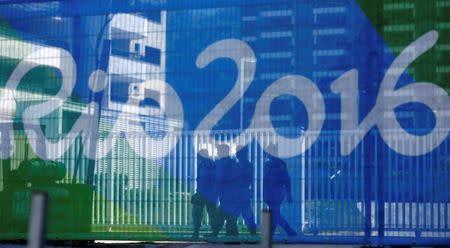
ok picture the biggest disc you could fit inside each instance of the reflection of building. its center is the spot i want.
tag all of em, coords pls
(137, 55)
(304, 38)
(407, 21)
(404, 22)
(270, 31)
(324, 40)
(400, 23)
(190, 31)
(135, 46)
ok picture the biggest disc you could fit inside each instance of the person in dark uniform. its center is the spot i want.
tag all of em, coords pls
(206, 195)
(277, 187)
(227, 178)
(245, 183)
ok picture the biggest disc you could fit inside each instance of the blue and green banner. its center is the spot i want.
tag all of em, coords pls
(183, 120)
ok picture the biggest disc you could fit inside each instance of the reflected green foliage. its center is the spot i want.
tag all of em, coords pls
(22, 174)
(67, 202)
(400, 22)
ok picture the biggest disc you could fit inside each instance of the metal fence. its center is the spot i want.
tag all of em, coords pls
(132, 191)
(377, 199)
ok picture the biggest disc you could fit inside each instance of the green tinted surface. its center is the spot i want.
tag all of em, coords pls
(69, 204)
(400, 22)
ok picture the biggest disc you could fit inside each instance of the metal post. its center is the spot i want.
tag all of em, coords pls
(38, 220)
(266, 229)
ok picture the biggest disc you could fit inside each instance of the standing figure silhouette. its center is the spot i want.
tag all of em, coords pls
(206, 195)
(277, 187)
(245, 184)
(227, 185)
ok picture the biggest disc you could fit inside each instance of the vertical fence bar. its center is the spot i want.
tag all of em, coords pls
(147, 167)
(365, 206)
(103, 195)
(254, 161)
(330, 152)
(110, 196)
(179, 165)
(355, 215)
(437, 180)
(417, 183)
(411, 188)
(309, 185)
(261, 165)
(341, 180)
(348, 177)
(320, 180)
(130, 182)
(135, 185)
(118, 181)
(302, 183)
(183, 184)
(396, 184)
(336, 185)
(170, 204)
(378, 211)
(404, 179)
(389, 181)
(163, 207)
(175, 183)
(423, 188)
(141, 190)
(446, 196)
(153, 171)
(123, 192)
(429, 191)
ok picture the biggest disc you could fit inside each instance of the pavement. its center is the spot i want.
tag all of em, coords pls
(128, 244)
(273, 246)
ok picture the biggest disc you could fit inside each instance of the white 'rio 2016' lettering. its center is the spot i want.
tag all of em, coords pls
(301, 87)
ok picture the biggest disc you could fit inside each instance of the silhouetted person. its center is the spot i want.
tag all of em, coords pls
(245, 184)
(227, 178)
(277, 187)
(206, 195)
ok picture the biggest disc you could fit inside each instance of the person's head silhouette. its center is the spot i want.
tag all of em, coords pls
(203, 153)
(223, 150)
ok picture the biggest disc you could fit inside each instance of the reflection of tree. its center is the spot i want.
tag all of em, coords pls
(67, 211)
